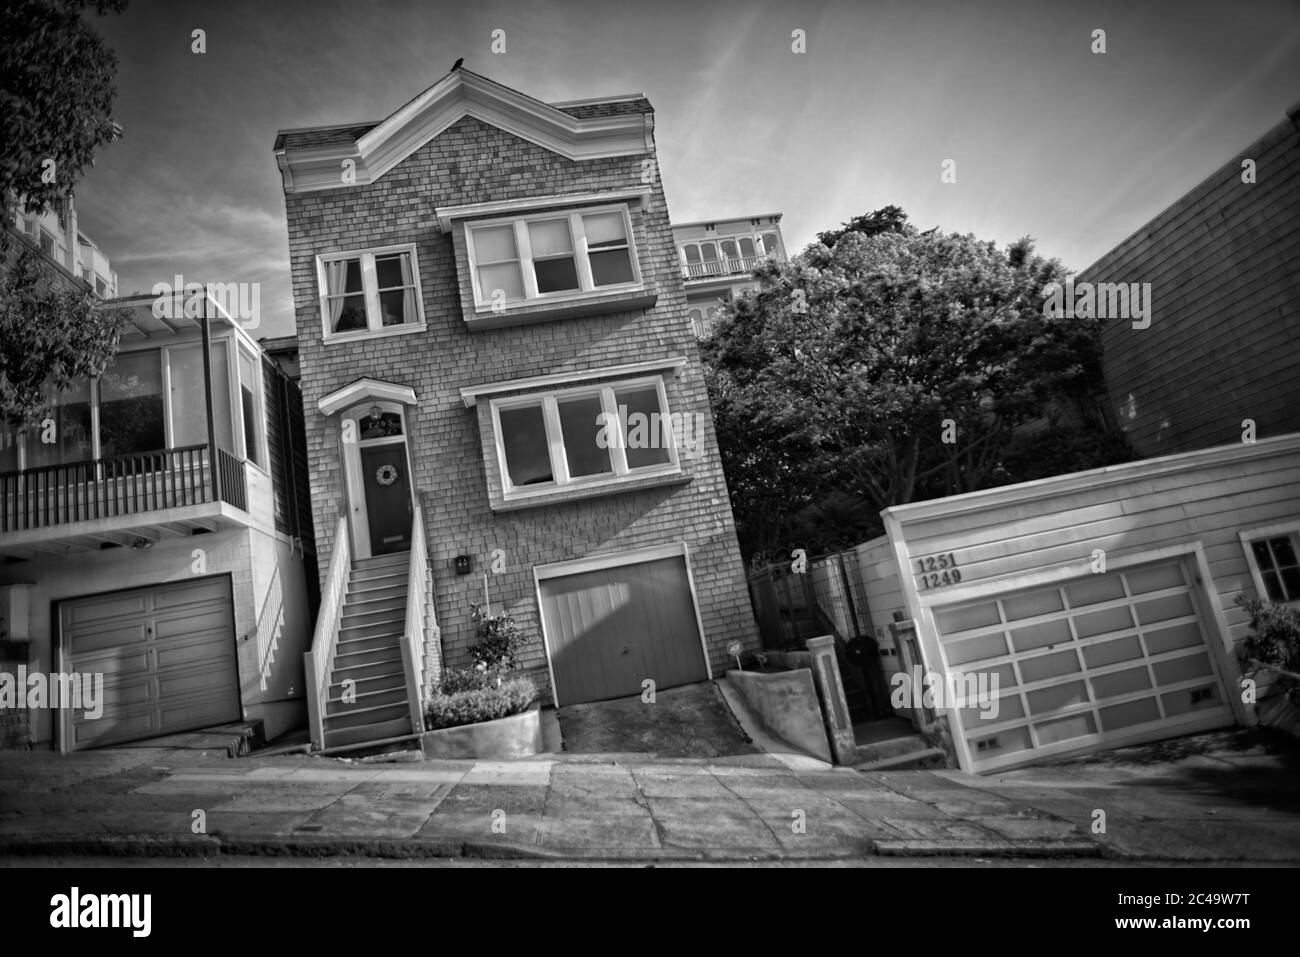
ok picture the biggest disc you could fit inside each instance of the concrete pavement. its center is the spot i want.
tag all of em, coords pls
(1234, 797)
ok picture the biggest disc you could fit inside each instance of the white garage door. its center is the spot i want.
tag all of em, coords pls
(1086, 664)
(167, 654)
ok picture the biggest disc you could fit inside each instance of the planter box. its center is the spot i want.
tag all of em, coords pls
(1279, 712)
(517, 736)
(786, 703)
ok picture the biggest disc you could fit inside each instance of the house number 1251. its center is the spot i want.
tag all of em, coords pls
(937, 570)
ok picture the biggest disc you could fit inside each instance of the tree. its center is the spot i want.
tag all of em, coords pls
(56, 97)
(897, 365)
(887, 219)
(49, 337)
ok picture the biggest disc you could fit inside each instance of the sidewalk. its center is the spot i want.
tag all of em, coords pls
(1233, 798)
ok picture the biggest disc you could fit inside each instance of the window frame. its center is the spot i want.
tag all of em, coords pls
(582, 260)
(370, 292)
(1249, 537)
(561, 482)
(258, 390)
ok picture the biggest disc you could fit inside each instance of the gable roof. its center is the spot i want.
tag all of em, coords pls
(312, 159)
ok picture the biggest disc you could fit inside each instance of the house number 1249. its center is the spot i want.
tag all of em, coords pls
(937, 570)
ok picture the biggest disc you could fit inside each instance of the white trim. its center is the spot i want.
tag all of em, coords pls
(358, 508)
(459, 94)
(1045, 488)
(471, 394)
(448, 215)
(369, 292)
(639, 556)
(593, 100)
(363, 389)
(1275, 530)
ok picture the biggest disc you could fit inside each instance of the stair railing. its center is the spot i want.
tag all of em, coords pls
(413, 637)
(319, 662)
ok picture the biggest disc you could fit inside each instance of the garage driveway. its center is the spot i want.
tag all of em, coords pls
(692, 721)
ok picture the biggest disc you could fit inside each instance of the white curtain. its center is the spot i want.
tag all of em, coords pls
(336, 274)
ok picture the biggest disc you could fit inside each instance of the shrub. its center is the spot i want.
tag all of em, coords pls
(1274, 642)
(471, 705)
(499, 639)
(465, 679)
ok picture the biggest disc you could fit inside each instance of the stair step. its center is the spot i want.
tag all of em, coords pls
(367, 604)
(369, 683)
(352, 646)
(352, 619)
(910, 760)
(366, 656)
(359, 669)
(366, 714)
(378, 629)
(372, 589)
(365, 701)
(390, 560)
(368, 732)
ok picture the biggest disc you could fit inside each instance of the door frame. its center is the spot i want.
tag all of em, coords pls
(637, 556)
(358, 513)
(62, 729)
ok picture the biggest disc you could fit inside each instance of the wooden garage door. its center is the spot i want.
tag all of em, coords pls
(1086, 664)
(167, 654)
(609, 629)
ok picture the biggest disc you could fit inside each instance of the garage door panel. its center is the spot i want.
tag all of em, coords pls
(1105, 653)
(1116, 683)
(1118, 656)
(170, 668)
(1010, 708)
(89, 639)
(105, 608)
(610, 629)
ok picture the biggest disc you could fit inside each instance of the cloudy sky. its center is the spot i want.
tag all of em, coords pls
(1051, 140)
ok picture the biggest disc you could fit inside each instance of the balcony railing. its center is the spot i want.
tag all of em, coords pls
(722, 267)
(116, 486)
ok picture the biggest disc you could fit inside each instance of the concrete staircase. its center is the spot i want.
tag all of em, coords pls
(892, 744)
(369, 653)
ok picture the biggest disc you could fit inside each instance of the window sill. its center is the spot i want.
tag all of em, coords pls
(403, 330)
(539, 310)
(576, 493)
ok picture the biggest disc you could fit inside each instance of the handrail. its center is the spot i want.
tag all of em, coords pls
(414, 634)
(318, 662)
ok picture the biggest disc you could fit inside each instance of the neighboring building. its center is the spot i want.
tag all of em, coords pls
(55, 232)
(284, 350)
(156, 532)
(478, 278)
(1104, 601)
(717, 258)
(1223, 343)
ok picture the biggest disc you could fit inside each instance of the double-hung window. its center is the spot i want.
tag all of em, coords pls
(369, 292)
(552, 256)
(584, 436)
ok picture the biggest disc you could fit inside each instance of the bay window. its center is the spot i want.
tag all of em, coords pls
(553, 255)
(583, 436)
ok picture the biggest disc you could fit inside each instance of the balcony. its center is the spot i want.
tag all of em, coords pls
(120, 500)
(718, 268)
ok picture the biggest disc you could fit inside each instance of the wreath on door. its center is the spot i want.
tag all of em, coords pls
(386, 475)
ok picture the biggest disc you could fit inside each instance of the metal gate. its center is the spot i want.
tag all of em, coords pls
(826, 598)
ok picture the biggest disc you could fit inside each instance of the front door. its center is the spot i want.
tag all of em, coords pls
(388, 497)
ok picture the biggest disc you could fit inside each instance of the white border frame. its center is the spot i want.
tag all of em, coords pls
(370, 290)
(637, 556)
(581, 256)
(560, 479)
(1275, 530)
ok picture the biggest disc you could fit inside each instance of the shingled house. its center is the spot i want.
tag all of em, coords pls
(503, 397)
